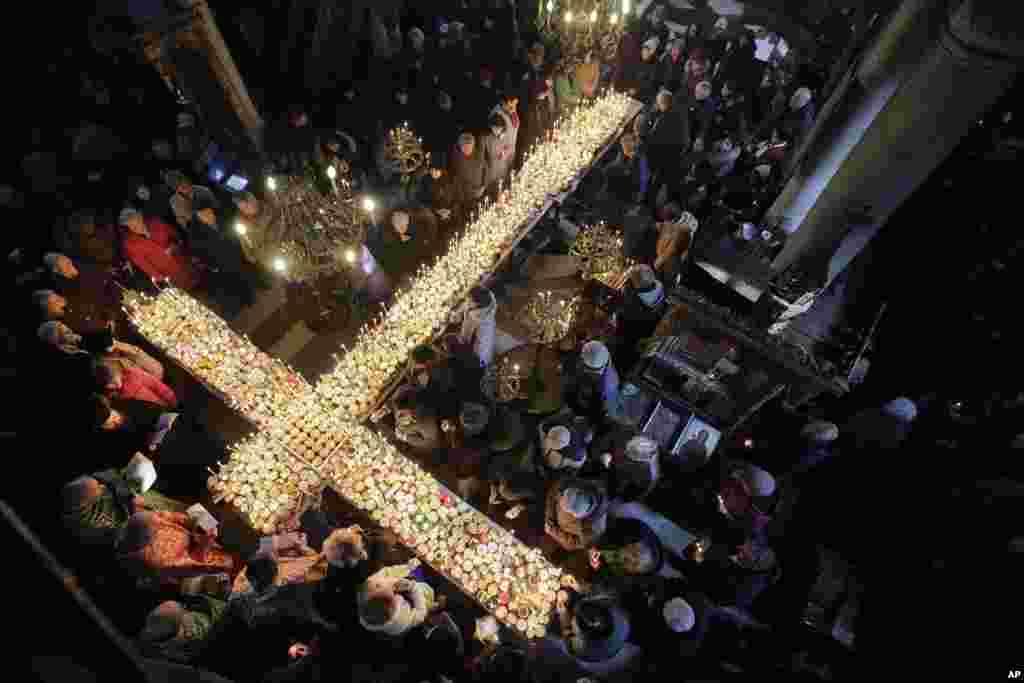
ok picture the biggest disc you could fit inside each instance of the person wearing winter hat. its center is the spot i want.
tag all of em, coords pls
(799, 117)
(467, 168)
(576, 512)
(744, 497)
(596, 632)
(177, 629)
(593, 391)
(157, 249)
(479, 324)
(884, 427)
(393, 606)
(184, 194)
(231, 274)
(673, 615)
(97, 506)
(562, 448)
(639, 77)
(818, 438)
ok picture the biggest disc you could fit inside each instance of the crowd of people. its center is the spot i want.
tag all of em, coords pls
(716, 129)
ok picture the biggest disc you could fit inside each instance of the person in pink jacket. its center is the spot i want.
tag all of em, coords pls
(133, 383)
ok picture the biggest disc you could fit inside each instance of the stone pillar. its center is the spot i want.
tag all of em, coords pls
(913, 95)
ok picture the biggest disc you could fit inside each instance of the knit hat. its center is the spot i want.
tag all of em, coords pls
(800, 98)
(641, 449)
(595, 355)
(557, 438)
(679, 615)
(902, 409)
(820, 431)
(652, 43)
(761, 482)
(689, 220)
(127, 215)
(577, 502)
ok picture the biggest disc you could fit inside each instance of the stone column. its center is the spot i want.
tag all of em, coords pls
(906, 105)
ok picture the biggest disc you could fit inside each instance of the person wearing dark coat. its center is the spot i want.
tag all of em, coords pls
(230, 274)
(541, 110)
(672, 615)
(467, 167)
(643, 307)
(628, 175)
(667, 137)
(639, 78)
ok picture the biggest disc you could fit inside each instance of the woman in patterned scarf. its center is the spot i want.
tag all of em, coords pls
(178, 630)
(97, 506)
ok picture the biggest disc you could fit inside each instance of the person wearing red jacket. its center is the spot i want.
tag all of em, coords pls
(135, 384)
(154, 247)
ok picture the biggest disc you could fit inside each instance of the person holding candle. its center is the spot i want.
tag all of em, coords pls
(502, 163)
(468, 172)
(129, 383)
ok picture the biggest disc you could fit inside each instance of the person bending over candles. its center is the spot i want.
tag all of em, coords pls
(130, 383)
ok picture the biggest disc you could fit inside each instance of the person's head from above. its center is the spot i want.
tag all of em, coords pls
(595, 355)
(179, 182)
(641, 449)
(444, 101)
(578, 502)
(108, 375)
(820, 432)
(676, 50)
(166, 622)
(50, 304)
(486, 76)
(510, 102)
(649, 49)
(400, 223)
(629, 143)
(345, 548)
(535, 55)
(205, 209)
(401, 96)
(417, 39)
(57, 334)
(379, 608)
(261, 570)
(902, 409)
(103, 416)
(247, 203)
(679, 615)
(481, 297)
(557, 438)
(758, 481)
(133, 221)
(61, 265)
(800, 99)
(467, 144)
(80, 493)
(663, 101)
(703, 91)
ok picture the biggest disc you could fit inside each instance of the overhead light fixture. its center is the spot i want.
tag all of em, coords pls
(613, 19)
(593, 16)
(350, 255)
(568, 17)
(240, 228)
(271, 183)
(332, 173)
(280, 265)
(369, 204)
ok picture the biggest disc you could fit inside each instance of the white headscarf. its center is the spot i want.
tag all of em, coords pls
(679, 615)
